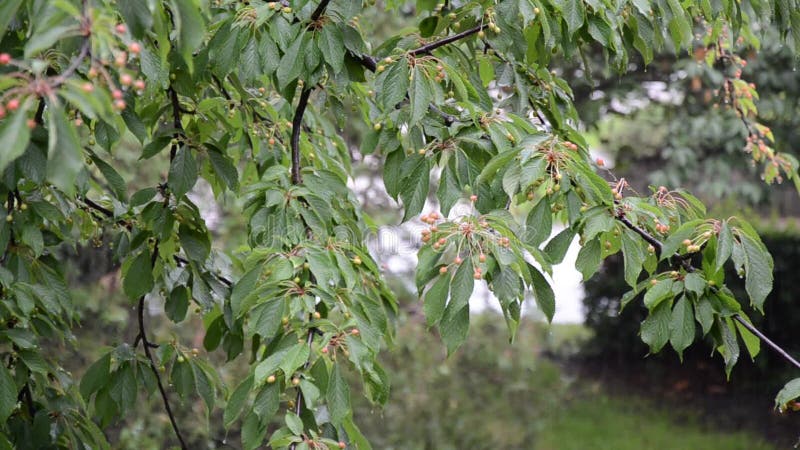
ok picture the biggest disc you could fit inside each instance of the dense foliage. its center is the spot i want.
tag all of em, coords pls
(250, 97)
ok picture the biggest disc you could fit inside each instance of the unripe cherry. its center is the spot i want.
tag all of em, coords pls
(120, 104)
(5, 58)
(121, 28)
(355, 332)
(601, 162)
(116, 94)
(473, 198)
(13, 104)
(443, 270)
(324, 350)
(2, 111)
(442, 241)
(476, 275)
(31, 124)
(271, 379)
(458, 260)
(125, 79)
(482, 257)
(687, 242)
(135, 48)
(295, 381)
(87, 87)
(139, 85)
(342, 444)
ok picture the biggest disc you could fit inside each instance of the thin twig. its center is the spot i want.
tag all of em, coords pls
(142, 336)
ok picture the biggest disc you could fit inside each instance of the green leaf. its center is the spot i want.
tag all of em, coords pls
(415, 188)
(420, 95)
(435, 300)
(543, 293)
(573, 12)
(182, 172)
(65, 158)
(236, 402)
(657, 293)
(266, 318)
(224, 169)
(294, 358)
(454, 328)
(8, 10)
(14, 134)
(751, 341)
(681, 327)
(589, 258)
(675, 240)
(8, 394)
(138, 278)
(694, 282)
(196, 243)
(758, 268)
(96, 376)
(291, 65)
(191, 28)
(557, 247)
(461, 286)
(729, 347)
(789, 392)
(177, 304)
(114, 179)
(338, 396)
(656, 327)
(724, 245)
(634, 257)
(539, 223)
(394, 87)
(331, 43)
(704, 313)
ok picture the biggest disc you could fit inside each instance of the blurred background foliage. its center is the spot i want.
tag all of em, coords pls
(581, 386)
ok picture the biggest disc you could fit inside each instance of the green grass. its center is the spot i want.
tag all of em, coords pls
(605, 423)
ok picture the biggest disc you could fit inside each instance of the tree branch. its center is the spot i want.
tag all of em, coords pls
(142, 336)
(320, 10)
(176, 120)
(297, 124)
(427, 48)
(690, 268)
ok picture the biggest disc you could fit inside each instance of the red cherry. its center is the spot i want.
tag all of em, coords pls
(119, 104)
(600, 162)
(31, 124)
(5, 58)
(473, 198)
(121, 28)
(139, 85)
(13, 104)
(125, 79)
(117, 94)
(135, 48)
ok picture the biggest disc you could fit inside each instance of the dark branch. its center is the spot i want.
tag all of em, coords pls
(320, 10)
(427, 48)
(142, 336)
(297, 124)
(176, 120)
(766, 340)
